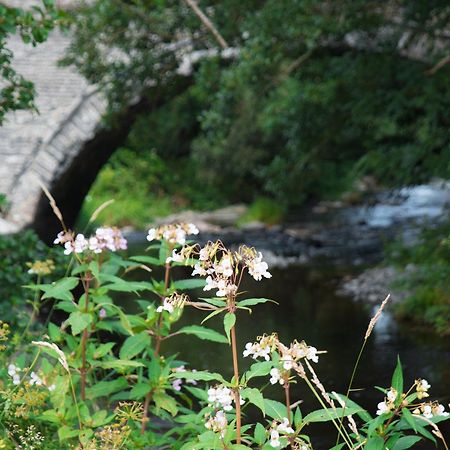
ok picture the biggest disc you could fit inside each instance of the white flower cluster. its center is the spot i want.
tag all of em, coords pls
(217, 423)
(422, 387)
(388, 404)
(289, 356)
(430, 410)
(261, 348)
(105, 238)
(170, 303)
(221, 267)
(13, 371)
(173, 234)
(222, 397)
(176, 384)
(276, 429)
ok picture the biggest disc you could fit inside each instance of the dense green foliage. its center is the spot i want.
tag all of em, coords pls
(17, 253)
(427, 280)
(33, 26)
(103, 379)
(320, 93)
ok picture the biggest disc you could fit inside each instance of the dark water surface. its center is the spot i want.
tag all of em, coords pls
(309, 309)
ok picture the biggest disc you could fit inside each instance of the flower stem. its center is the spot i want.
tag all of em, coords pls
(237, 398)
(148, 397)
(288, 400)
(84, 338)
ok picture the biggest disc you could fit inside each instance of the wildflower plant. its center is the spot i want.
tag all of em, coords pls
(101, 378)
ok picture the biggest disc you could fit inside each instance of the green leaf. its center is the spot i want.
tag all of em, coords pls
(139, 391)
(214, 313)
(79, 321)
(259, 434)
(409, 418)
(106, 388)
(164, 401)
(200, 375)
(147, 260)
(119, 364)
(134, 345)
(61, 289)
(406, 442)
(254, 301)
(102, 350)
(191, 283)
(254, 396)
(274, 409)
(375, 443)
(228, 323)
(259, 369)
(54, 332)
(204, 333)
(397, 378)
(324, 415)
(66, 432)
(220, 302)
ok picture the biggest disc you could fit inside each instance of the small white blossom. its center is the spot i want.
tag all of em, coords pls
(176, 257)
(284, 427)
(383, 408)
(217, 423)
(257, 268)
(221, 396)
(422, 387)
(276, 376)
(392, 395)
(166, 306)
(274, 438)
(52, 387)
(35, 379)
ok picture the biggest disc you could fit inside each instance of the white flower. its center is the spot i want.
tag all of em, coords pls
(422, 387)
(311, 354)
(224, 267)
(176, 257)
(12, 370)
(192, 229)
(392, 395)
(383, 408)
(35, 379)
(439, 410)
(217, 423)
(284, 427)
(221, 397)
(52, 387)
(427, 411)
(203, 255)
(288, 362)
(225, 289)
(151, 236)
(276, 376)
(274, 438)
(210, 283)
(258, 268)
(177, 384)
(199, 270)
(166, 306)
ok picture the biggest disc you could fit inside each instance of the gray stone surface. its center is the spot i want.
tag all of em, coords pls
(37, 148)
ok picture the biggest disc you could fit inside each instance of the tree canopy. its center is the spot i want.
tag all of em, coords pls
(33, 26)
(314, 95)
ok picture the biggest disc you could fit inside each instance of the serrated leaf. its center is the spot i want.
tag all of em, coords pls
(254, 301)
(79, 321)
(61, 289)
(190, 283)
(254, 396)
(102, 350)
(200, 375)
(106, 388)
(259, 434)
(406, 442)
(119, 364)
(375, 443)
(228, 323)
(204, 333)
(324, 415)
(139, 391)
(214, 313)
(274, 409)
(259, 369)
(134, 345)
(164, 401)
